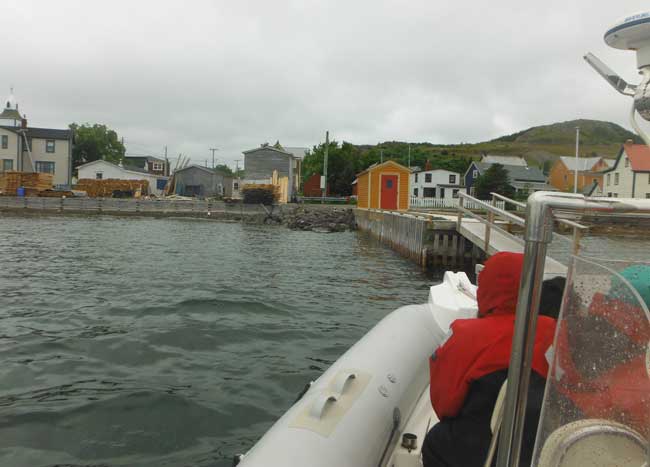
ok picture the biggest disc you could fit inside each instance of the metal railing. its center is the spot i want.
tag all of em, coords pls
(541, 210)
(497, 209)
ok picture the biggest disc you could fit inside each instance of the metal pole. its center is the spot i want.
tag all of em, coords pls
(213, 150)
(539, 231)
(327, 145)
(409, 156)
(575, 182)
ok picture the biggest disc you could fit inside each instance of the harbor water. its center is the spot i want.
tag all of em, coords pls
(178, 342)
(143, 342)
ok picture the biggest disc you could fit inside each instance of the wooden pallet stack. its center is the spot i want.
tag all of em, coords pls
(33, 182)
(106, 188)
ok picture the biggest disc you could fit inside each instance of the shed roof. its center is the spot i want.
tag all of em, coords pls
(300, 153)
(377, 165)
(584, 164)
(504, 160)
(204, 169)
(516, 173)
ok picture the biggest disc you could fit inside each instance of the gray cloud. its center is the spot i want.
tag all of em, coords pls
(199, 74)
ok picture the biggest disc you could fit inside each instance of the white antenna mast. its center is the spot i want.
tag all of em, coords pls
(631, 33)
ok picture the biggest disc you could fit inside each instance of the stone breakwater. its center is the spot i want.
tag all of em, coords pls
(331, 219)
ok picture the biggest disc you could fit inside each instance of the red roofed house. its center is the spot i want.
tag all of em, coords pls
(630, 175)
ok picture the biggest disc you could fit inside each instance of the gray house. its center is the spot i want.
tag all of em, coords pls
(202, 182)
(259, 164)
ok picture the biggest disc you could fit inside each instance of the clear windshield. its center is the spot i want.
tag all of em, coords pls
(599, 374)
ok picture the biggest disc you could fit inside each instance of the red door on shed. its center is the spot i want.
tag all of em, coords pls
(388, 192)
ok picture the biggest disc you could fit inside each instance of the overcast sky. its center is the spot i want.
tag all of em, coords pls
(233, 74)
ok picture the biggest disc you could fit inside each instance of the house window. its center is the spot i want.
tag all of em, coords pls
(454, 194)
(428, 192)
(472, 190)
(615, 195)
(616, 179)
(609, 179)
(647, 195)
(99, 175)
(49, 145)
(7, 164)
(627, 162)
(5, 141)
(452, 179)
(415, 192)
(648, 178)
(475, 173)
(609, 195)
(566, 179)
(45, 167)
(236, 186)
(157, 166)
(427, 178)
(416, 178)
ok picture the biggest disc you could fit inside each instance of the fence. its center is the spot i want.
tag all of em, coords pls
(449, 203)
(114, 205)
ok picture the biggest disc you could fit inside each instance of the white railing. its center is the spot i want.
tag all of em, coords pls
(449, 203)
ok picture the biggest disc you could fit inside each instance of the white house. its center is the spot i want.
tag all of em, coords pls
(629, 177)
(103, 170)
(438, 183)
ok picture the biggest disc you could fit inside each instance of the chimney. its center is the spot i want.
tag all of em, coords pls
(23, 123)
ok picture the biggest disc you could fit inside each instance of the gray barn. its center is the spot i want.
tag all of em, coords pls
(202, 182)
(259, 164)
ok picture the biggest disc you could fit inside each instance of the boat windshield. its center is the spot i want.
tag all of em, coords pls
(598, 386)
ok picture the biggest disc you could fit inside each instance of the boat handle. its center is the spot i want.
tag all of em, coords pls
(341, 382)
(320, 405)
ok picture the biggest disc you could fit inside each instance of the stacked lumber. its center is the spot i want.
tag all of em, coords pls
(105, 188)
(33, 182)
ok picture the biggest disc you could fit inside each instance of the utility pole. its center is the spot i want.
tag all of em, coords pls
(575, 182)
(237, 166)
(324, 183)
(166, 167)
(206, 164)
(409, 155)
(213, 150)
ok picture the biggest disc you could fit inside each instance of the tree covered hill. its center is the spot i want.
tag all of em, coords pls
(540, 145)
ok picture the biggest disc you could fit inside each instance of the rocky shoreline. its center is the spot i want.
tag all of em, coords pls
(315, 219)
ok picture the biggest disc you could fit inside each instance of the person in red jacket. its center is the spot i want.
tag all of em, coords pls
(469, 368)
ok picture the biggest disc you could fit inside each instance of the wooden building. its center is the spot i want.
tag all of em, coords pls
(384, 186)
(562, 174)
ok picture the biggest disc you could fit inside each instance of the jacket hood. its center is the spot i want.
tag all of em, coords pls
(498, 287)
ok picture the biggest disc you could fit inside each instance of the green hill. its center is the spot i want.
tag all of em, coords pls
(592, 132)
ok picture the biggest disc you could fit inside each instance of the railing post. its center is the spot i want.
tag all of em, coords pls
(461, 203)
(577, 236)
(488, 227)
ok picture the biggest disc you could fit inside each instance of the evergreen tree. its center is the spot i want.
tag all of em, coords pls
(495, 179)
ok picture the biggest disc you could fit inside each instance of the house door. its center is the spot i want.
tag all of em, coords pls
(388, 192)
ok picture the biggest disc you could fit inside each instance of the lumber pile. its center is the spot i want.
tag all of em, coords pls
(259, 194)
(33, 182)
(108, 187)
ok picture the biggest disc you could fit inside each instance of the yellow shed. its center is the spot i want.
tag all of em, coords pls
(384, 186)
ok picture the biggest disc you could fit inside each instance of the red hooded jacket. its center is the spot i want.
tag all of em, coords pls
(480, 346)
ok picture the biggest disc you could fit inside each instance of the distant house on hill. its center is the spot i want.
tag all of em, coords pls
(153, 165)
(104, 170)
(562, 173)
(629, 177)
(259, 164)
(202, 182)
(504, 160)
(522, 178)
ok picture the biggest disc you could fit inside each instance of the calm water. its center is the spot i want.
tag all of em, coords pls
(173, 342)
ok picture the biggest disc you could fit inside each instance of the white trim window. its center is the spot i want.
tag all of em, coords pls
(7, 165)
(427, 178)
(5, 141)
(452, 179)
(157, 166)
(50, 146)
(475, 174)
(627, 162)
(99, 175)
(609, 179)
(616, 177)
(46, 167)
